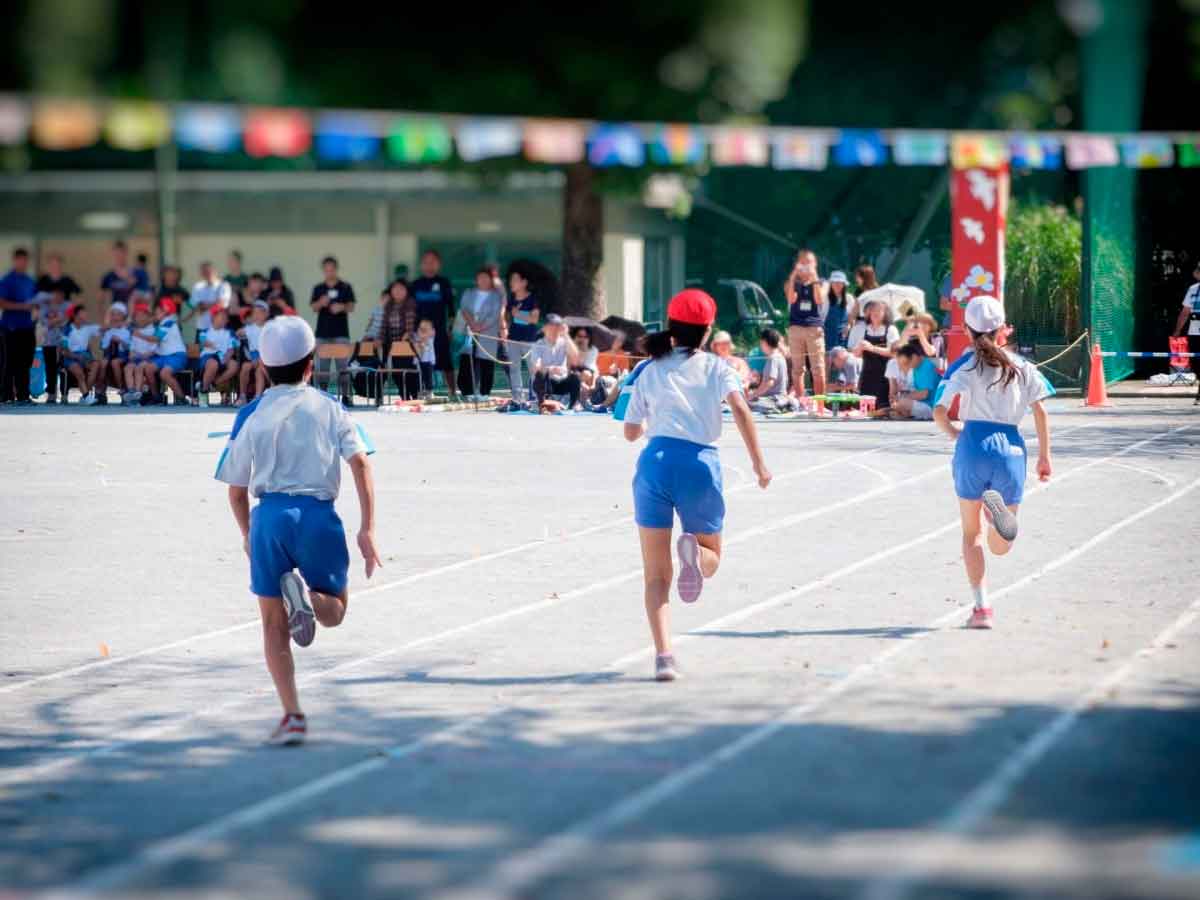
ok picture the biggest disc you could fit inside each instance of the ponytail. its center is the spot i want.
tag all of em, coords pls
(682, 335)
(988, 353)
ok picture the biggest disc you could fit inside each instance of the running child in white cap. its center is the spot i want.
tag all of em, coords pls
(996, 387)
(286, 448)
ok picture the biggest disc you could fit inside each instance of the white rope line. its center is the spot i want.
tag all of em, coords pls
(1067, 350)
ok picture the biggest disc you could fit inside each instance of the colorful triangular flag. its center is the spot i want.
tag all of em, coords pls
(1148, 151)
(137, 125)
(859, 147)
(1189, 154)
(676, 145)
(739, 146)
(919, 148)
(14, 120)
(1030, 151)
(65, 124)
(416, 141)
(555, 142)
(799, 150)
(1087, 151)
(348, 137)
(616, 145)
(480, 139)
(977, 151)
(208, 128)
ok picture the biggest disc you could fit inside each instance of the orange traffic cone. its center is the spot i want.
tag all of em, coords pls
(1097, 394)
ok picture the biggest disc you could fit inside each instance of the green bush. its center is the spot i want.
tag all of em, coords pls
(1043, 265)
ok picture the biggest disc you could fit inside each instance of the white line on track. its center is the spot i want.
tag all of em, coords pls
(518, 873)
(979, 805)
(1145, 470)
(522, 870)
(73, 756)
(74, 671)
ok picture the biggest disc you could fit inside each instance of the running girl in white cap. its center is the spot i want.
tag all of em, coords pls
(286, 449)
(996, 388)
(676, 401)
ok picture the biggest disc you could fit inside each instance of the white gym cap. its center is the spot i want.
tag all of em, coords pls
(721, 337)
(285, 340)
(119, 307)
(985, 314)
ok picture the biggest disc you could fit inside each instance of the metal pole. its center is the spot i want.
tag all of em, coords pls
(166, 163)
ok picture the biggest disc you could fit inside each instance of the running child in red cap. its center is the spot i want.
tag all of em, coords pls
(676, 402)
(286, 449)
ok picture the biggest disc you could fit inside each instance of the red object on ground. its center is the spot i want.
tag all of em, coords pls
(1097, 394)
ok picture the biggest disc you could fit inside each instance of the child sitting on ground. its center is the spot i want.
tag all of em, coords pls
(771, 393)
(81, 349)
(141, 351)
(426, 356)
(218, 354)
(114, 346)
(250, 333)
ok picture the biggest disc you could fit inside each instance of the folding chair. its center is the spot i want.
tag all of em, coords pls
(348, 375)
(339, 355)
(190, 373)
(402, 350)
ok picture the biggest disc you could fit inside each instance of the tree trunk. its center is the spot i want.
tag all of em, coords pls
(583, 244)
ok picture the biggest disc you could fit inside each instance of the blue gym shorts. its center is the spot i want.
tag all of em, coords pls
(176, 362)
(678, 476)
(291, 531)
(990, 455)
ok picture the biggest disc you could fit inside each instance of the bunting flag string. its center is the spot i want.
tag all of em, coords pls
(344, 136)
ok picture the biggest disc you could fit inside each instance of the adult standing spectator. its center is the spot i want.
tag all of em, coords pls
(864, 280)
(17, 330)
(806, 326)
(209, 292)
(120, 284)
(278, 295)
(333, 301)
(1189, 320)
(481, 308)
(840, 302)
(55, 281)
(523, 316)
(235, 277)
(435, 301)
(871, 340)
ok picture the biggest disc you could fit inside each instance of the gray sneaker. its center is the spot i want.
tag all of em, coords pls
(301, 622)
(1002, 518)
(665, 668)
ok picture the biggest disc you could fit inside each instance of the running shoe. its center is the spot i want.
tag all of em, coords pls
(301, 622)
(290, 732)
(981, 617)
(1000, 515)
(665, 668)
(89, 400)
(691, 580)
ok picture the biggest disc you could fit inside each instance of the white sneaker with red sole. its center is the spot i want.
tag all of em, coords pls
(290, 732)
(981, 617)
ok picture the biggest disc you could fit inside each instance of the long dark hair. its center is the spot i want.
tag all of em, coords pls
(683, 335)
(989, 353)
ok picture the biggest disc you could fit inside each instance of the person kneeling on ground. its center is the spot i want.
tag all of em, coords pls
(845, 370)
(551, 360)
(909, 399)
(722, 345)
(286, 449)
(770, 394)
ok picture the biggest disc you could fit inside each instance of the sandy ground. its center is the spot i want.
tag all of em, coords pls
(484, 725)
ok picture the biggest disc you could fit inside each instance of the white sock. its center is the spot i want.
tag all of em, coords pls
(979, 592)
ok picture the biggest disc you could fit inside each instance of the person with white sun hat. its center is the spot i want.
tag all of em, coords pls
(996, 388)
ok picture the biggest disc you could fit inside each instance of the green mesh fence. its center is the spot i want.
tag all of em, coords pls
(1113, 68)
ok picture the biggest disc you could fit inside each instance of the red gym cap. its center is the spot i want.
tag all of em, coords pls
(141, 307)
(167, 305)
(692, 307)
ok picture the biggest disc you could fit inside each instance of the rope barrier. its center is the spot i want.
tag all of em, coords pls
(475, 340)
(1067, 350)
(1146, 354)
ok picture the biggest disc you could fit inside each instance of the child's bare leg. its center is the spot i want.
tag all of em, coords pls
(658, 573)
(168, 377)
(209, 376)
(972, 540)
(328, 609)
(710, 553)
(229, 376)
(277, 648)
(260, 379)
(244, 380)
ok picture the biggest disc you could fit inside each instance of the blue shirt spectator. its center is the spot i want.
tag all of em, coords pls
(17, 287)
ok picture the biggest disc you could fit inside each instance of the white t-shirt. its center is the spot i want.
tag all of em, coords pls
(206, 295)
(253, 333)
(1191, 301)
(587, 359)
(860, 331)
(79, 338)
(143, 341)
(549, 355)
(904, 380)
(426, 352)
(219, 341)
(120, 335)
(292, 440)
(680, 396)
(982, 401)
(170, 340)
